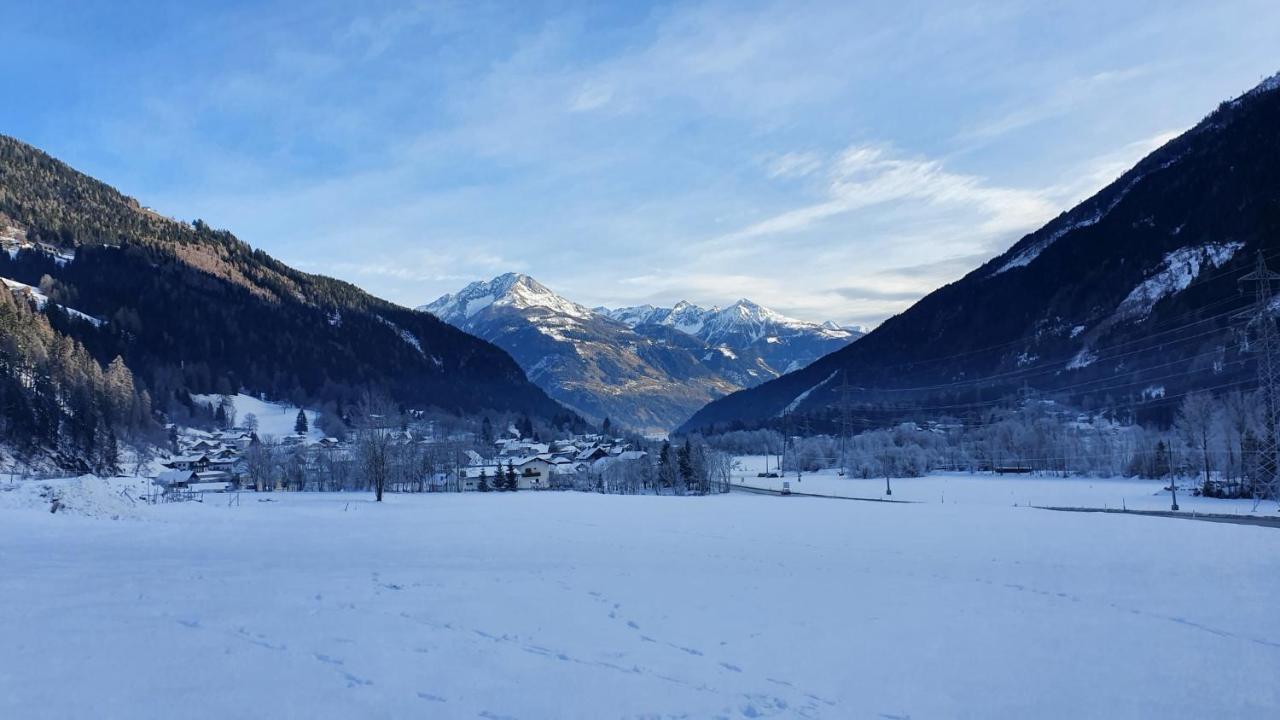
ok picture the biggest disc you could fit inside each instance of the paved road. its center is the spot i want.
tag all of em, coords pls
(795, 493)
(1259, 520)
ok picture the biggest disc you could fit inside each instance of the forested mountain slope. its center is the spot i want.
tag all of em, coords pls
(193, 309)
(1126, 300)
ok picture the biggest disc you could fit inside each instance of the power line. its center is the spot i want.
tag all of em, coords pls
(1260, 319)
(1200, 280)
(1040, 369)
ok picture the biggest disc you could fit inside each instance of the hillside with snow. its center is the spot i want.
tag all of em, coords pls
(1135, 289)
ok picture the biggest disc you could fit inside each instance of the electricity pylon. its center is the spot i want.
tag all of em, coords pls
(1260, 322)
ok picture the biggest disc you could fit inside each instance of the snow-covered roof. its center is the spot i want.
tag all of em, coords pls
(590, 452)
(188, 458)
(525, 460)
(171, 477)
(215, 486)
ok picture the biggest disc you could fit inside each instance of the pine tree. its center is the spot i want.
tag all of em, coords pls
(666, 467)
(684, 459)
(300, 425)
(512, 483)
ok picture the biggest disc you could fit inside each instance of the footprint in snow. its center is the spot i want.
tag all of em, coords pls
(730, 666)
(691, 651)
(355, 681)
(762, 706)
(431, 698)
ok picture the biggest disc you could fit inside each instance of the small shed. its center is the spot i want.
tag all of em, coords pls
(179, 479)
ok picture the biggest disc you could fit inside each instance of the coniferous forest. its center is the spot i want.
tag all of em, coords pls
(184, 308)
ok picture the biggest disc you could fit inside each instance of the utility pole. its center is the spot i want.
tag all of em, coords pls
(804, 433)
(845, 421)
(786, 440)
(1261, 321)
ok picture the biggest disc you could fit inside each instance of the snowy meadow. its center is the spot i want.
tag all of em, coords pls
(572, 605)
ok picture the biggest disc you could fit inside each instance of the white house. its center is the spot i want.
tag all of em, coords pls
(188, 462)
(469, 476)
(534, 472)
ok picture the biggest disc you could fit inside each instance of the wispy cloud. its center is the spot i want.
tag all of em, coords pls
(795, 165)
(828, 158)
(1054, 101)
(864, 176)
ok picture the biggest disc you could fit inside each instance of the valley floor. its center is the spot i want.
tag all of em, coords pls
(567, 605)
(964, 488)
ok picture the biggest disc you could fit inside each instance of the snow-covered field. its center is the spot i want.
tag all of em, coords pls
(566, 605)
(275, 419)
(1003, 490)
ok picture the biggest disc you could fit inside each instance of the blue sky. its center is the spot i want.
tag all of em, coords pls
(831, 160)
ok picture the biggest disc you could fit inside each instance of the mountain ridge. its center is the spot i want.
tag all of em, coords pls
(645, 367)
(1160, 246)
(202, 311)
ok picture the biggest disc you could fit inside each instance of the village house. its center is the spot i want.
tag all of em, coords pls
(194, 462)
(533, 473)
(185, 482)
(591, 454)
(470, 475)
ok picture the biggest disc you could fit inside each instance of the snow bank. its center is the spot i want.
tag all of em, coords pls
(87, 495)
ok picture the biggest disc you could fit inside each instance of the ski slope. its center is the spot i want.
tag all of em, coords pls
(566, 605)
(275, 419)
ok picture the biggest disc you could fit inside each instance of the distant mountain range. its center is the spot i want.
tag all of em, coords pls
(645, 367)
(784, 344)
(1127, 301)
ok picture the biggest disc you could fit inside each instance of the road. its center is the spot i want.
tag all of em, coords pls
(1257, 520)
(796, 493)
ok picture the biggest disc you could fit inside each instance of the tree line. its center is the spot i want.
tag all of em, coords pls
(57, 400)
(1216, 440)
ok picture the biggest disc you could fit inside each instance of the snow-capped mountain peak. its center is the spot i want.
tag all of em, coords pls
(645, 366)
(515, 290)
(742, 320)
